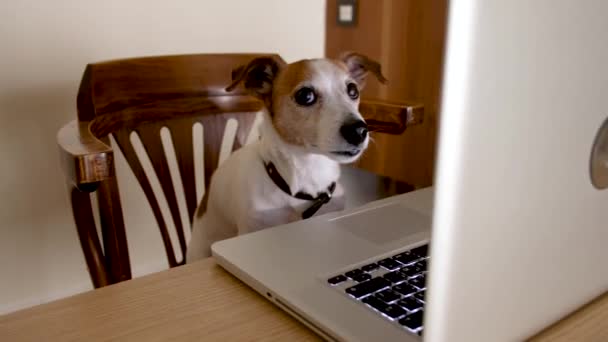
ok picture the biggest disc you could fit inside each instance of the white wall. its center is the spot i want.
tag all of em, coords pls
(44, 47)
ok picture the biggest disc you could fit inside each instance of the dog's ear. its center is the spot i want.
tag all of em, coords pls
(359, 66)
(257, 76)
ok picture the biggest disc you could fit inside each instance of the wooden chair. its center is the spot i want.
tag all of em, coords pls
(143, 95)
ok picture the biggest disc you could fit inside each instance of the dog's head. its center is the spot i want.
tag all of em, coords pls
(314, 103)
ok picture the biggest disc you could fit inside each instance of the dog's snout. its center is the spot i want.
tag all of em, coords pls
(354, 132)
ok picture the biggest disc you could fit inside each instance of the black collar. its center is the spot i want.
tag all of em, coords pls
(318, 201)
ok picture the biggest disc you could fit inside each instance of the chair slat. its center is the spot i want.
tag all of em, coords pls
(245, 123)
(150, 137)
(181, 135)
(122, 138)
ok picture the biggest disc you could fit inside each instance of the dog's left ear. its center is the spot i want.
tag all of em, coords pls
(359, 66)
(257, 76)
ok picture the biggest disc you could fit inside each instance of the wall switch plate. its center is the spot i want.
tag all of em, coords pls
(347, 12)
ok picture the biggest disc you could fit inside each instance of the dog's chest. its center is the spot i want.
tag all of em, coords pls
(279, 208)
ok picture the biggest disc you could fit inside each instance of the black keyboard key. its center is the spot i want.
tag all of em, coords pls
(411, 271)
(405, 289)
(422, 264)
(389, 264)
(410, 303)
(395, 277)
(370, 267)
(393, 311)
(420, 295)
(413, 321)
(362, 277)
(406, 258)
(388, 296)
(336, 280)
(367, 287)
(375, 303)
(423, 250)
(419, 282)
(353, 273)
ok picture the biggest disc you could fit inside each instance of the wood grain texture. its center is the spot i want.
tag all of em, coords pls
(391, 117)
(588, 324)
(85, 159)
(407, 38)
(197, 302)
(89, 240)
(113, 231)
(201, 302)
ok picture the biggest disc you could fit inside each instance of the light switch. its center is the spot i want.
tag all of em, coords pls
(347, 12)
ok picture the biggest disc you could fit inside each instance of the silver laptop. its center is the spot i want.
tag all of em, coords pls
(512, 237)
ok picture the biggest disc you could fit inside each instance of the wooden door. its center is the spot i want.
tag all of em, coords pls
(407, 38)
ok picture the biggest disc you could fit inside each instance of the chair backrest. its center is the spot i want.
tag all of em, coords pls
(144, 96)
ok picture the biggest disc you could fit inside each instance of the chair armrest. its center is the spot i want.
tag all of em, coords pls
(85, 160)
(391, 117)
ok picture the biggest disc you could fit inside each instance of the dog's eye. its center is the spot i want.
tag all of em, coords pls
(305, 96)
(352, 91)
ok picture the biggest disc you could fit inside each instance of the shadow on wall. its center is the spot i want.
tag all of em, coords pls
(37, 234)
(32, 178)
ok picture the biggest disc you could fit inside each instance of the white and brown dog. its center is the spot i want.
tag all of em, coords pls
(312, 125)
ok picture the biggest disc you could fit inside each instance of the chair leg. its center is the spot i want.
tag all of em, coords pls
(113, 231)
(89, 240)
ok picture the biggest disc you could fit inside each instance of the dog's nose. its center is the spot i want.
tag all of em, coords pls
(354, 132)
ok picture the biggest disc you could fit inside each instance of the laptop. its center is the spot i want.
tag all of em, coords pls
(513, 234)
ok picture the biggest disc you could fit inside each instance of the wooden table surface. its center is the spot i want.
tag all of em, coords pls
(203, 302)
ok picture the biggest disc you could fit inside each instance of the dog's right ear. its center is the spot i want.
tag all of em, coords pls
(257, 76)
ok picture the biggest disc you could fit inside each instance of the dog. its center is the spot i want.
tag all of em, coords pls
(311, 125)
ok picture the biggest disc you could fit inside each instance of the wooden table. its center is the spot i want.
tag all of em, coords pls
(202, 302)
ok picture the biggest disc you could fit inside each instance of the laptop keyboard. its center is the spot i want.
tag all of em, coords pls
(393, 287)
